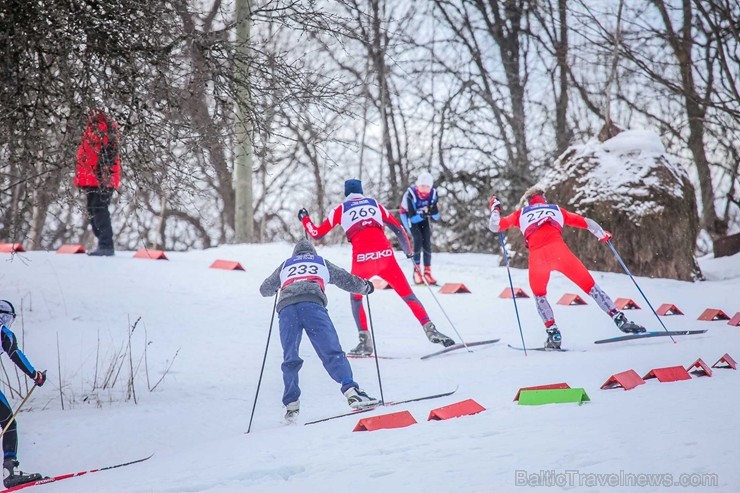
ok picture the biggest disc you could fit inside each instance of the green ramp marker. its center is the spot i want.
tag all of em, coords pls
(552, 396)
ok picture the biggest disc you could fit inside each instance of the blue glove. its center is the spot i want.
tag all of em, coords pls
(417, 219)
(435, 216)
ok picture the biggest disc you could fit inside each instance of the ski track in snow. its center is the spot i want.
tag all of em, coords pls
(196, 420)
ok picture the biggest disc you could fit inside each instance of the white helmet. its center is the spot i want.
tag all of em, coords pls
(425, 178)
(7, 313)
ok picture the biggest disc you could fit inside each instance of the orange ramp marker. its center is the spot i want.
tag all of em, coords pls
(571, 299)
(452, 288)
(712, 314)
(725, 361)
(11, 247)
(668, 374)
(626, 304)
(668, 309)
(627, 380)
(379, 283)
(735, 321)
(72, 249)
(699, 368)
(385, 421)
(150, 254)
(518, 293)
(226, 265)
(464, 408)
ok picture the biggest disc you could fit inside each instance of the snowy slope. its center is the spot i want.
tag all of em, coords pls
(195, 421)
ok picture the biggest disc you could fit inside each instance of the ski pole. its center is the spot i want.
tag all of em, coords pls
(372, 336)
(621, 262)
(443, 310)
(513, 294)
(259, 382)
(18, 409)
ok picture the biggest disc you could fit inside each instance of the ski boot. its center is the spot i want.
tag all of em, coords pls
(436, 336)
(11, 477)
(291, 412)
(365, 347)
(358, 399)
(625, 325)
(417, 275)
(553, 338)
(428, 276)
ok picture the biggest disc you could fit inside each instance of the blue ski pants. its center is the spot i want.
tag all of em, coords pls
(314, 319)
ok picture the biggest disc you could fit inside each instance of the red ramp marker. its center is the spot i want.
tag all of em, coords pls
(518, 293)
(668, 374)
(571, 299)
(226, 265)
(11, 247)
(464, 408)
(452, 288)
(735, 321)
(712, 314)
(379, 283)
(150, 254)
(725, 361)
(627, 380)
(549, 386)
(668, 309)
(394, 420)
(626, 304)
(700, 368)
(73, 249)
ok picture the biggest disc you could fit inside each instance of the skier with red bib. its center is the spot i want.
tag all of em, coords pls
(542, 225)
(362, 219)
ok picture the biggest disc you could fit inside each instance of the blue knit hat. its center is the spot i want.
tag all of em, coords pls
(352, 186)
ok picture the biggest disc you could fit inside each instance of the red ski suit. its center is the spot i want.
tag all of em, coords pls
(542, 226)
(362, 219)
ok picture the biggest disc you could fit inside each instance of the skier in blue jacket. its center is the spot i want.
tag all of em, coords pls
(11, 477)
(301, 281)
(418, 210)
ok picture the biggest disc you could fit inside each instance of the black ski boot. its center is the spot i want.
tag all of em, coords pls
(625, 325)
(11, 477)
(436, 336)
(553, 338)
(365, 347)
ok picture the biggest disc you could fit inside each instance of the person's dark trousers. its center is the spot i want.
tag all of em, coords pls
(98, 200)
(422, 236)
(10, 438)
(314, 319)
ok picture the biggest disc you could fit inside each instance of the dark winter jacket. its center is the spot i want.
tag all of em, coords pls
(311, 291)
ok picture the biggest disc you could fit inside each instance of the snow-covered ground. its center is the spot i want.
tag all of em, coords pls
(196, 419)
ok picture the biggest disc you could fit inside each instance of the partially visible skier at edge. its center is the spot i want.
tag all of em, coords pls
(542, 225)
(11, 476)
(362, 219)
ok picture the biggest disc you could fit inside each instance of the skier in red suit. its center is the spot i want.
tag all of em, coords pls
(542, 225)
(362, 219)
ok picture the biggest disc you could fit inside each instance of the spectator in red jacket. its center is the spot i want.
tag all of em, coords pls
(98, 174)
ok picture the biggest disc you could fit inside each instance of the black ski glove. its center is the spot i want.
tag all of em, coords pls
(370, 286)
(302, 213)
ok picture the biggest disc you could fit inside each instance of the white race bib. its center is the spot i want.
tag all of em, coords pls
(359, 214)
(534, 216)
(304, 268)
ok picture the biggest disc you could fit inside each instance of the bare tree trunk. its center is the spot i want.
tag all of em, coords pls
(243, 196)
(681, 43)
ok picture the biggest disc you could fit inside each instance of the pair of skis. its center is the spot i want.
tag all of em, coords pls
(61, 477)
(382, 404)
(628, 337)
(436, 353)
